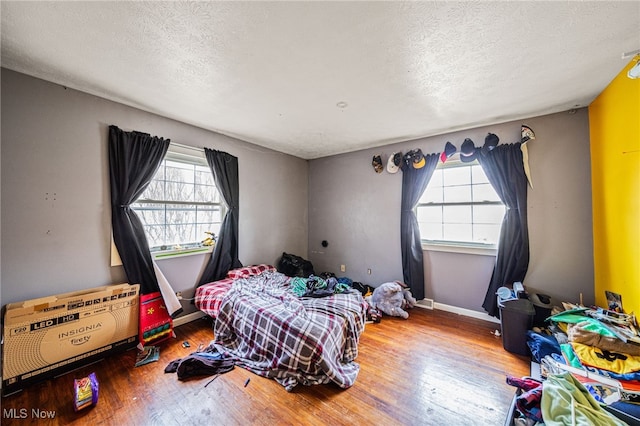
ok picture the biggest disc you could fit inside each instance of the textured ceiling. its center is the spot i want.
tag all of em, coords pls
(313, 79)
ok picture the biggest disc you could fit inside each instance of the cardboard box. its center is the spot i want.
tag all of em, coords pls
(52, 335)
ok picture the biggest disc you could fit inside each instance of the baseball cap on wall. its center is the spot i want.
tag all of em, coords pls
(376, 162)
(527, 133)
(393, 164)
(418, 159)
(468, 151)
(449, 150)
(490, 142)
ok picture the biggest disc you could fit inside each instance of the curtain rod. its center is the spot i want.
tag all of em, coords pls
(180, 145)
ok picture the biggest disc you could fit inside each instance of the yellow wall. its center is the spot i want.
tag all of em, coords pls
(614, 122)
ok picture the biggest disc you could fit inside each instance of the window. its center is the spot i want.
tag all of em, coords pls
(460, 207)
(181, 202)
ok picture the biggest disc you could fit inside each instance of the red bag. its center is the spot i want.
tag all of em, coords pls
(156, 324)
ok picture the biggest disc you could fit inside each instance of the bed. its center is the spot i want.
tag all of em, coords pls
(267, 329)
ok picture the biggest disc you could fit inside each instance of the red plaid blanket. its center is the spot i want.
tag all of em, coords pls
(249, 271)
(208, 297)
(273, 333)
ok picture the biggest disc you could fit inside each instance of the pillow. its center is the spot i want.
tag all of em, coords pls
(249, 271)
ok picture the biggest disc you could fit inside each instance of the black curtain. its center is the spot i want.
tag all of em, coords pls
(505, 171)
(134, 158)
(225, 253)
(414, 182)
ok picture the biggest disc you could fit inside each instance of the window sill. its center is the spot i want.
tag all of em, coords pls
(170, 254)
(460, 248)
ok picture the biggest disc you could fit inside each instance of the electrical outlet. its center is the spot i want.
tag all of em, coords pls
(369, 271)
(343, 268)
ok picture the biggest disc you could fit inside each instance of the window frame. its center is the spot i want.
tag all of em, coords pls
(467, 247)
(193, 157)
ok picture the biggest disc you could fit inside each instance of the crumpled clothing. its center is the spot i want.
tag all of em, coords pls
(565, 401)
(542, 345)
(524, 383)
(570, 358)
(318, 287)
(204, 363)
(612, 361)
(573, 317)
(582, 332)
(528, 402)
(345, 280)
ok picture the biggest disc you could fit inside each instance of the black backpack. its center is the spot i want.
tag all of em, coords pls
(294, 266)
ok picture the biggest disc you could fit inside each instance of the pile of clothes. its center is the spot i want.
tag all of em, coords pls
(326, 284)
(203, 362)
(590, 368)
(319, 287)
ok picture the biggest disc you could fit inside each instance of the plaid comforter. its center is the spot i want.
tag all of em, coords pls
(273, 333)
(209, 297)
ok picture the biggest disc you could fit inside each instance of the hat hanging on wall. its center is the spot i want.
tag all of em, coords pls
(393, 164)
(418, 159)
(377, 164)
(407, 159)
(449, 150)
(468, 151)
(490, 142)
(527, 134)
(413, 158)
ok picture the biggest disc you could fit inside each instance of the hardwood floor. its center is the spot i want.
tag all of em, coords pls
(436, 368)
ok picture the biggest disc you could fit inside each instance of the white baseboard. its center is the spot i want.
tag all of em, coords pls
(460, 311)
(425, 304)
(182, 320)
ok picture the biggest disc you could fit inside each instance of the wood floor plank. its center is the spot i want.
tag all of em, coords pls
(435, 368)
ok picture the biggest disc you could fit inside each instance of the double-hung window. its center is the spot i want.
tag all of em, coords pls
(460, 208)
(181, 203)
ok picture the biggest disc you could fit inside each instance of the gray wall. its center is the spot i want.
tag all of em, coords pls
(358, 212)
(55, 192)
(55, 217)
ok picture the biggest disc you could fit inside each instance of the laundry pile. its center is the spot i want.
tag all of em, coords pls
(319, 287)
(590, 368)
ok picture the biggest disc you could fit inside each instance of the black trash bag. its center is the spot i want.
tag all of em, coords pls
(294, 266)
